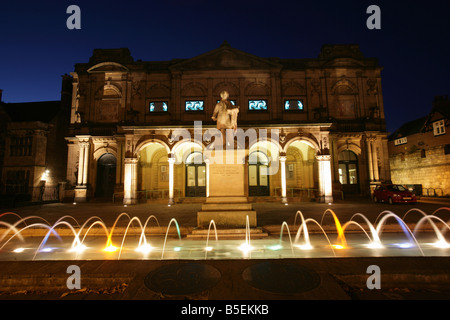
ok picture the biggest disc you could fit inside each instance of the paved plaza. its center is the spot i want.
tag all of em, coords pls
(268, 213)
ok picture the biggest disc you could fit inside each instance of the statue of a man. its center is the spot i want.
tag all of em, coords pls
(225, 113)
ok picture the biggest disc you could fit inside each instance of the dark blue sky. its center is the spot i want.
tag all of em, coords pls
(413, 46)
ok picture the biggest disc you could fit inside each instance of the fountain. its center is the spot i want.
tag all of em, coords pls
(34, 238)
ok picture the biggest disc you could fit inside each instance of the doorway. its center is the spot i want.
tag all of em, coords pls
(195, 175)
(348, 172)
(258, 174)
(106, 176)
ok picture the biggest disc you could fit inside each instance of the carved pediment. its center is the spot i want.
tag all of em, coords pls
(107, 67)
(225, 57)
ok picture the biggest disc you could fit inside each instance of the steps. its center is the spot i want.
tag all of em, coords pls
(227, 234)
(227, 213)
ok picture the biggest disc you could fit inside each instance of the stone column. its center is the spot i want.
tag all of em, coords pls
(86, 162)
(83, 165)
(80, 164)
(283, 179)
(369, 158)
(171, 177)
(130, 181)
(207, 177)
(376, 176)
(325, 185)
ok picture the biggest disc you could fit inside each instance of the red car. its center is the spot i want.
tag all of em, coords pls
(393, 193)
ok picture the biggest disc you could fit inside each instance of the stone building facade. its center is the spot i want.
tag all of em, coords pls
(319, 120)
(420, 151)
(33, 148)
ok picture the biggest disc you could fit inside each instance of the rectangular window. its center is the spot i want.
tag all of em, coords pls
(439, 127)
(158, 106)
(194, 105)
(293, 105)
(20, 146)
(257, 105)
(400, 141)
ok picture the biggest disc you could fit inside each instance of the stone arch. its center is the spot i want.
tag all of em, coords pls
(293, 88)
(194, 89)
(350, 146)
(105, 175)
(142, 144)
(158, 90)
(300, 154)
(344, 87)
(107, 66)
(311, 141)
(229, 86)
(181, 155)
(150, 173)
(257, 88)
(99, 152)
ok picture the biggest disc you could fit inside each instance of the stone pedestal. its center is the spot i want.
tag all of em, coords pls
(227, 202)
(80, 194)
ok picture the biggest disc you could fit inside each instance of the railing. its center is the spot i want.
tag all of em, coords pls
(298, 191)
(150, 194)
(434, 192)
(45, 194)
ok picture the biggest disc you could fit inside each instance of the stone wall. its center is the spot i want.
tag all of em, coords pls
(432, 171)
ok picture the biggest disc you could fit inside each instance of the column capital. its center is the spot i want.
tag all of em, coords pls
(172, 160)
(83, 138)
(323, 157)
(131, 160)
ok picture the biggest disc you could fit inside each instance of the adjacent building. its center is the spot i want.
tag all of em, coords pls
(33, 151)
(321, 120)
(420, 151)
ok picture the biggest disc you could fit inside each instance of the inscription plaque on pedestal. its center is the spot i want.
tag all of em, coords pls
(226, 180)
(227, 202)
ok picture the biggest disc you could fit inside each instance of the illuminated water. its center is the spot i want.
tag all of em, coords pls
(33, 238)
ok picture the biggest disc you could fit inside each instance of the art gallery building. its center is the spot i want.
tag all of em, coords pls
(318, 121)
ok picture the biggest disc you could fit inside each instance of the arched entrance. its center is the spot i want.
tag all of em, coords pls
(153, 171)
(258, 174)
(195, 175)
(348, 172)
(106, 176)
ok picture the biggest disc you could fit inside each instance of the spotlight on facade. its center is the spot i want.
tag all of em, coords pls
(44, 176)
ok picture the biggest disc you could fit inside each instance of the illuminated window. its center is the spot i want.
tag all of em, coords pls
(293, 105)
(400, 141)
(439, 127)
(257, 105)
(194, 105)
(158, 106)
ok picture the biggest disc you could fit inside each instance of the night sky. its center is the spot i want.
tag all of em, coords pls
(36, 47)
